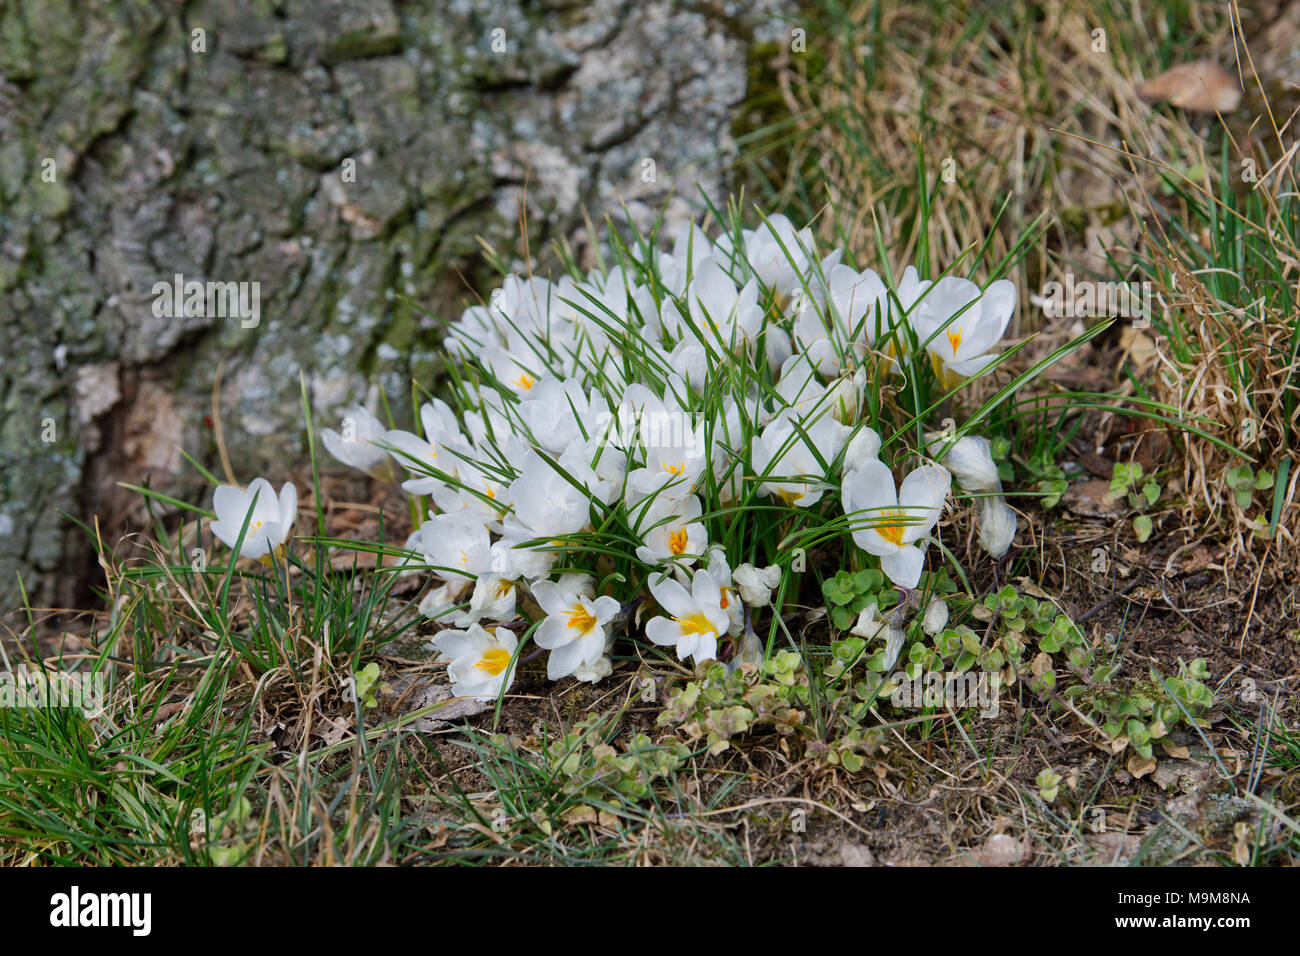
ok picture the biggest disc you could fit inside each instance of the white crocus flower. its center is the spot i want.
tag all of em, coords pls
(474, 331)
(480, 661)
(723, 313)
(674, 445)
(727, 453)
(970, 460)
(441, 602)
(897, 521)
(358, 443)
(691, 248)
(911, 288)
(592, 673)
(476, 493)
(516, 364)
(799, 387)
(782, 257)
(863, 447)
(557, 412)
(546, 504)
(785, 459)
(777, 347)
(962, 325)
(269, 525)
(441, 448)
(715, 558)
(493, 600)
(756, 584)
(574, 628)
(526, 304)
(512, 561)
(841, 320)
(673, 531)
(456, 545)
(597, 466)
(691, 360)
(695, 618)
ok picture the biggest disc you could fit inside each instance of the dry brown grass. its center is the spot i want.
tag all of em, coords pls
(1039, 124)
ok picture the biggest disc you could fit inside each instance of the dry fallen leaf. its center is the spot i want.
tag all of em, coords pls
(1140, 347)
(1200, 87)
(1091, 499)
(1140, 766)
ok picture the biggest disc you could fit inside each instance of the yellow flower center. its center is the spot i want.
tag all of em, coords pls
(494, 661)
(677, 541)
(696, 624)
(675, 469)
(725, 600)
(525, 381)
(954, 339)
(788, 495)
(257, 524)
(580, 620)
(464, 558)
(893, 533)
(504, 587)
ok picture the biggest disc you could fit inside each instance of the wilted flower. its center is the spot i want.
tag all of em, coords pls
(756, 584)
(936, 617)
(970, 460)
(871, 625)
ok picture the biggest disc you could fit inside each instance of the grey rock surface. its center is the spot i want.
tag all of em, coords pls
(345, 155)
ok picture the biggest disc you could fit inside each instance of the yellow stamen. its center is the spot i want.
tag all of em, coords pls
(677, 541)
(464, 559)
(525, 381)
(696, 624)
(581, 620)
(493, 661)
(725, 600)
(893, 533)
(675, 469)
(954, 339)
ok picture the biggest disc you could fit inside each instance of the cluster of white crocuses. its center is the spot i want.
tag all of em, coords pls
(615, 419)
